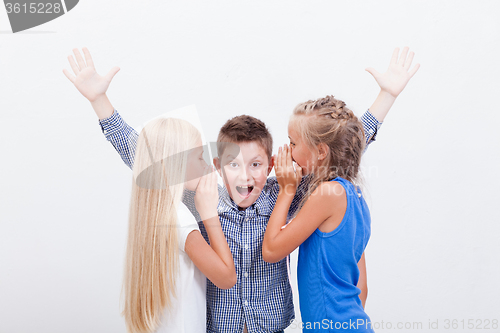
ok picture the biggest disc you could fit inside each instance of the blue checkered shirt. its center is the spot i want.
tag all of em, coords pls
(262, 296)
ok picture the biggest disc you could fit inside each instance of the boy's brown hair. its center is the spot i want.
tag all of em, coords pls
(245, 128)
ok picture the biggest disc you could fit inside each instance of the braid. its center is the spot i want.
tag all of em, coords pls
(335, 125)
(328, 107)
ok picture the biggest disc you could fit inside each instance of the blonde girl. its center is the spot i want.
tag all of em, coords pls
(167, 258)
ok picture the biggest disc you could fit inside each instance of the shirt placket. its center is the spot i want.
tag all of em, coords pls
(246, 284)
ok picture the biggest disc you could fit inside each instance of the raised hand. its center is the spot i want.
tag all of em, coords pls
(394, 80)
(88, 82)
(288, 177)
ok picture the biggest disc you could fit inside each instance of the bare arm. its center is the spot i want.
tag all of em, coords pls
(214, 260)
(362, 282)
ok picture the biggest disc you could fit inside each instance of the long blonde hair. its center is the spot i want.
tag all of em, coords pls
(327, 120)
(152, 248)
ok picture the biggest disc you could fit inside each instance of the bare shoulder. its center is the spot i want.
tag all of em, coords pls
(334, 200)
(331, 191)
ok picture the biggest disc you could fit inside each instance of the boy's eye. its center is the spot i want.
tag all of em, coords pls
(255, 164)
(233, 164)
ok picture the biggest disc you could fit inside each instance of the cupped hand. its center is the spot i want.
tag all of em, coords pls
(288, 177)
(206, 198)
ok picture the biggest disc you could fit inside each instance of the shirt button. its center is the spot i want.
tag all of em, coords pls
(246, 303)
(246, 274)
(246, 246)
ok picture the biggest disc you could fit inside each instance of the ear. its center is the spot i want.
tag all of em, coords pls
(271, 165)
(323, 151)
(217, 165)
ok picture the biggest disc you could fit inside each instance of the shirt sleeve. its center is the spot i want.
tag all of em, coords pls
(371, 126)
(121, 135)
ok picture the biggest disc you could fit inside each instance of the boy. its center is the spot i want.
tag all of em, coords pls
(261, 301)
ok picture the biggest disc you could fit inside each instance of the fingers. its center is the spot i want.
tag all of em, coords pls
(285, 159)
(402, 59)
(373, 72)
(394, 58)
(112, 72)
(88, 57)
(208, 178)
(69, 75)
(79, 59)
(279, 164)
(203, 180)
(409, 60)
(280, 158)
(298, 169)
(414, 70)
(73, 65)
(213, 177)
(288, 157)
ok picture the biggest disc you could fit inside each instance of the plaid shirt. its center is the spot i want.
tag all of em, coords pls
(262, 296)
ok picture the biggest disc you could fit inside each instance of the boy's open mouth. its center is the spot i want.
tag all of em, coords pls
(244, 190)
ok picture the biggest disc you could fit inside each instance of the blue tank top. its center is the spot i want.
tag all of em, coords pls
(327, 272)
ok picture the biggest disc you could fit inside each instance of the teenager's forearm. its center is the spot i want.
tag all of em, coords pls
(102, 107)
(382, 105)
(218, 241)
(276, 222)
(278, 217)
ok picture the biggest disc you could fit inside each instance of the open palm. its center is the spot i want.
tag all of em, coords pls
(88, 82)
(398, 74)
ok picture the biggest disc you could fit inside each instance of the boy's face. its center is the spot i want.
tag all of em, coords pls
(244, 167)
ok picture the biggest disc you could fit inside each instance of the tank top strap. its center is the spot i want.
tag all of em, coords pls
(350, 188)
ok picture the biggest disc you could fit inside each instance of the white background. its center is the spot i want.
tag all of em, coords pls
(431, 177)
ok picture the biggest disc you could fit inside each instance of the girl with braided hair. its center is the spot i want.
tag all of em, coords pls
(333, 225)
